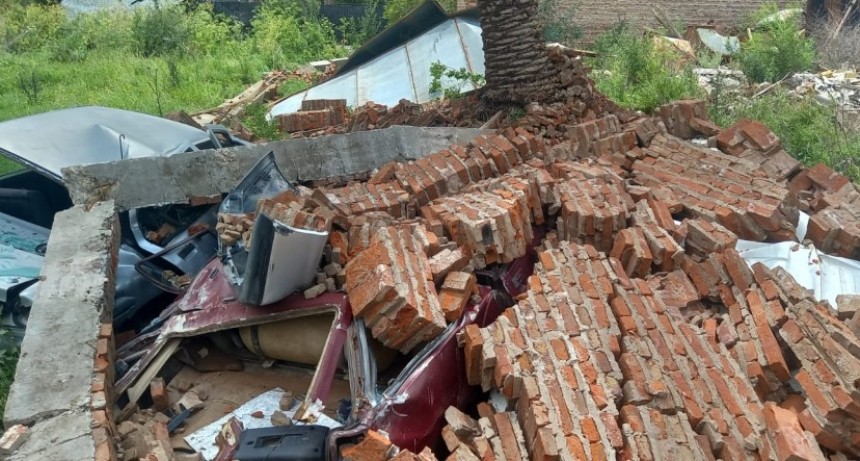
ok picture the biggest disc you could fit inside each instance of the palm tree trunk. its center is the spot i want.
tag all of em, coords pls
(518, 70)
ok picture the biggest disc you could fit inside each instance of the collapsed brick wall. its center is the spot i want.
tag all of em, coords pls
(596, 17)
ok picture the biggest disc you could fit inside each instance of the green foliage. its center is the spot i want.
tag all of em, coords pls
(777, 49)
(808, 130)
(30, 27)
(395, 10)
(111, 58)
(449, 83)
(255, 120)
(357, 31)
(633, 72)
(290, 33)
(557, 22)
(160, 30)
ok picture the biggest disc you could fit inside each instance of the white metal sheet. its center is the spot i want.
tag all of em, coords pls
(401, 73)
(827, 276)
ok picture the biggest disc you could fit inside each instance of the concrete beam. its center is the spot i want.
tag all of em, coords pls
(54, 380)
(182, 178)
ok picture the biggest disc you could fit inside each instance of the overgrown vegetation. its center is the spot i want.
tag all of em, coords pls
(153, 60)
(636, 74)
(776, 49)
(450, 83)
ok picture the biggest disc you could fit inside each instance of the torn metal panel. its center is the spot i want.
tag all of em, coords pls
(281, 260)
(403, 71)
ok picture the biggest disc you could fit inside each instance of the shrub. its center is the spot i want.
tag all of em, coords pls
(633, 72)
(290, 33)
(160, 30)
(776, 50)
(30, 27)
(449, 83)
(357, 31)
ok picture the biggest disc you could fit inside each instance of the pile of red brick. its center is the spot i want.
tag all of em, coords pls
(642, 334)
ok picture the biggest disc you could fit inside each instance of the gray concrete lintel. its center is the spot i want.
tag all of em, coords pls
(141, 182)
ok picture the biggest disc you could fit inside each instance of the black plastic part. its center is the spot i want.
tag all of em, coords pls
(293, 443)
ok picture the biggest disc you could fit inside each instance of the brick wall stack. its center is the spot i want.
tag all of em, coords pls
(687, 119)
(829, 375)
(390, 286)
(703, 238)
(595, 17)
(592, 210)
(494, 220)
(719, 188)
(594, 365)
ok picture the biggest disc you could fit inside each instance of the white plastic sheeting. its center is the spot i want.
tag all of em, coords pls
(827, 276)
(403, 72)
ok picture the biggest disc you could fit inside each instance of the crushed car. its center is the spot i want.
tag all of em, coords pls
(346, 381)
(42, 145)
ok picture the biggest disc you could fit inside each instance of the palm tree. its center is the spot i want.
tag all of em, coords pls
(518, 70)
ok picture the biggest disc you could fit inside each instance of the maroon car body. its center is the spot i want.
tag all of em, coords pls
(410, 410)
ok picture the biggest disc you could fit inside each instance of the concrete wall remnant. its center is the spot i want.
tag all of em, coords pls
(58, 374)
(186, 177)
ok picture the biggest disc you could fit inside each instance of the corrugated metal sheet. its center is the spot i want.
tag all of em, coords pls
(402, 72)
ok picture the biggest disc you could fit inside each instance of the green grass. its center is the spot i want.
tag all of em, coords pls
(123, 81)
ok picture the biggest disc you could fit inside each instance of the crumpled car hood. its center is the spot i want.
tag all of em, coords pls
(51, 141)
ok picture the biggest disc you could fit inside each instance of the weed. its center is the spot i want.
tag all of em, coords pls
(637, 75)
(30, 85)
(708, 59)
(290, 33)
(255, 120)
(777, 49)
(449, 83)
(159, 31)
(155, 86)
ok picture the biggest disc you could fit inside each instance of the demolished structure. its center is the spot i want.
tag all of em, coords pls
(565, 287)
